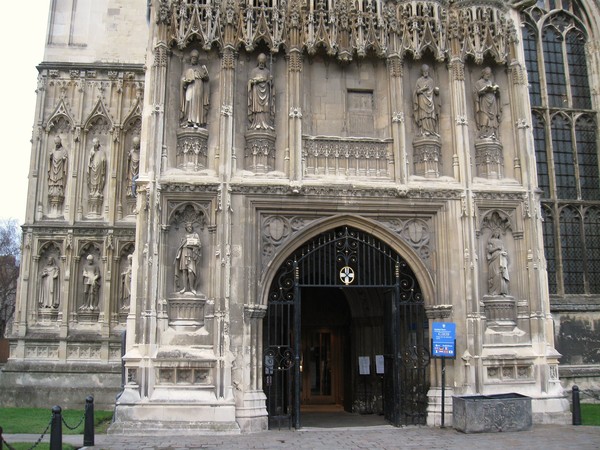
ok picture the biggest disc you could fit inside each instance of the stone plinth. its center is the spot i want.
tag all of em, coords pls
(186, 310)
(489, 159)
(192, 148)
(426, 154)
(259, 153)
(48, 314)
(500, 312)
(88, 315)
(95, 206)
(56, 203)
(490, 413)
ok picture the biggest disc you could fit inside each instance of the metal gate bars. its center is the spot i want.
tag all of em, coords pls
(348, 258)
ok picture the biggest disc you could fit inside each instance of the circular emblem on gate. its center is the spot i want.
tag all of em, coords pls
(347, 275)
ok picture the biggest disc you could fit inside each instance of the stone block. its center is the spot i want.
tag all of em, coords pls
(491, 413)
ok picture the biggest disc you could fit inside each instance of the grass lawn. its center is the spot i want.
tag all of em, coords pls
(590, 414)
(35, 420)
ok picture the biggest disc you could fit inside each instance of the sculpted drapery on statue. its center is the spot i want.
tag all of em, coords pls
(186, 259)
(194, 93)
(133, 166)
(49, 285)
(57, 169)
(425, 104)
(497, 257)
(91, 284)
(488, 110)
(96, 170)
(125, 288)
(260, 96)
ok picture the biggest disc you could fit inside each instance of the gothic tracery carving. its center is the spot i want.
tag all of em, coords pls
(345, 28)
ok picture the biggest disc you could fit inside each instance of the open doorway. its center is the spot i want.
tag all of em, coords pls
(346, 330)
(326, 322)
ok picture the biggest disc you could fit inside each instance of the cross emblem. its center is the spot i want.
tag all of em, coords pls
(347, 275)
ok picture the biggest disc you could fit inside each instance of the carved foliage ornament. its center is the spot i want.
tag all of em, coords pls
(345, 28)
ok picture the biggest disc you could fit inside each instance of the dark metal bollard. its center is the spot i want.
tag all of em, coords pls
(88, 426)
(56, 429)
(576, 406)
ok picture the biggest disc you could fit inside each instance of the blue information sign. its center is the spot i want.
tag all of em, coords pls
(443, 338)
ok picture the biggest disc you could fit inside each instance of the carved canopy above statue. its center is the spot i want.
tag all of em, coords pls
(346, 28)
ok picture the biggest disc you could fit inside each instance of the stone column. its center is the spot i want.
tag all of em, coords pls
(252, 414)
(399, 157)
(295, 66)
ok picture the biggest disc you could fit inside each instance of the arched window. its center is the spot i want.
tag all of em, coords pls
(539, 137)
(570, 246)
(564, 130)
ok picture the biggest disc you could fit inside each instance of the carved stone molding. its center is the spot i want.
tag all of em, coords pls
(427, 156)
(186, 311)
(500, 312)
(457, 70)
(259, 152)
(277, 229)
(192, 148)
(255, 311)
(438, 312)
(398, 117)
(489, 159)
(295, 63)
(346, 29)
(346, 157)
(416, 232)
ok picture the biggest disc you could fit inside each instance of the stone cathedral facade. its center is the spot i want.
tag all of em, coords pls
(238, 208)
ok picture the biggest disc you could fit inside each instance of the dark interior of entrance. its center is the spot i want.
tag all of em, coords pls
(339, 326)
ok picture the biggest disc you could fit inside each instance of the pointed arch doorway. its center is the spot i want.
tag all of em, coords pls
(346, 325)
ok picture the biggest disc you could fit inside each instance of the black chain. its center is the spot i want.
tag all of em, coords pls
(7, 445)
(36, 443)
(590, 394)
(41, 436)
(76, 426)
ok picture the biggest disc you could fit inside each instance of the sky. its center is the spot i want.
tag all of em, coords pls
(22, 29)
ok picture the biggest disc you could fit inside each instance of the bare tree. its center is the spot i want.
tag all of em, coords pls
(10, 256)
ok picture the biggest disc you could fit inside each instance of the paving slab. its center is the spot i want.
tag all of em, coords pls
(547, 437)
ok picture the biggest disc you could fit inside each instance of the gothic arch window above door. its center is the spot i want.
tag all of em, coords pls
(565, 124)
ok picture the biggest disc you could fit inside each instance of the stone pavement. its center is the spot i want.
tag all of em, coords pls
(546, 437)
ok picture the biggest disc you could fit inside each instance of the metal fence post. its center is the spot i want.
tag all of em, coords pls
(576, 406)
(56, 429)
(88, 427)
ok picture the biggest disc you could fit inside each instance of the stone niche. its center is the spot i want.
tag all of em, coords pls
(185, 301)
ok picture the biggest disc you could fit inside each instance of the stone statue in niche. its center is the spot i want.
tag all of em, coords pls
(96, 170)
(57, 171)
(260, 96)
(49, 285)
(194, 93)
(186, 259)
(425, 104)
(125, 288)
(133, 167)
(488, 110)
(497, 258)
(91, 285)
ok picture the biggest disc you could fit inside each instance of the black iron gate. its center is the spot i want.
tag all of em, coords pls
(348, 258)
